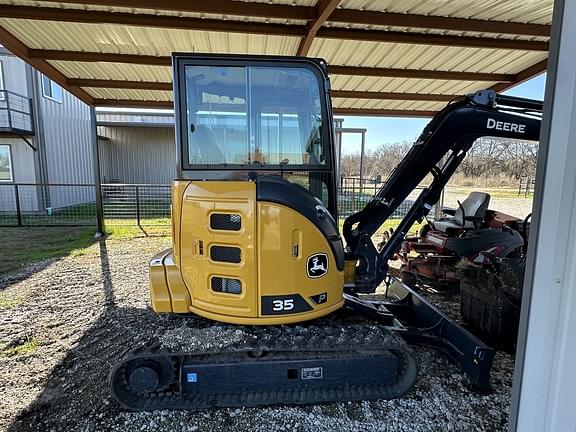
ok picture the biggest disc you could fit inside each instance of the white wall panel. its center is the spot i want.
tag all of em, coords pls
(546, 377)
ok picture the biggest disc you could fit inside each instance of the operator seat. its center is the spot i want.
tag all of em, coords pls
(208, 150)
(474, 205)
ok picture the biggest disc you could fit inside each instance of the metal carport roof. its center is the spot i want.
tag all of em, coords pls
(385, 57)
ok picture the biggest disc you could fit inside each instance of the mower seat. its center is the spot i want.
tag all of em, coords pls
(474, 205)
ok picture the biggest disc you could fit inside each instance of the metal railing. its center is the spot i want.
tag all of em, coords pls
(28, 204)
(16, 113)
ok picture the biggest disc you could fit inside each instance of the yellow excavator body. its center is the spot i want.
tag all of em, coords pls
(239, 260)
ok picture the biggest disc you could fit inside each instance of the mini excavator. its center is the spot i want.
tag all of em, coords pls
(256, 243)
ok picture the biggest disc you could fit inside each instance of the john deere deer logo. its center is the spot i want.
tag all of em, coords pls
(317, 265)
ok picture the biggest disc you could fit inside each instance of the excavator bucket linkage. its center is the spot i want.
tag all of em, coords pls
(421, 323)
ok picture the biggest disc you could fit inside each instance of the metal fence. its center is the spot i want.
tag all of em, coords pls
(133, 204)
(26, 204)
(526, 186)
(136, 204)
(354, 193)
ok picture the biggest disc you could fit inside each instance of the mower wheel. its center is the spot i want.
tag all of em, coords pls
(409, 279)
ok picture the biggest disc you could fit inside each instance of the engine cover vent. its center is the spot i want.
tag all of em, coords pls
(225, 221)
(228, 254)
(226, 285)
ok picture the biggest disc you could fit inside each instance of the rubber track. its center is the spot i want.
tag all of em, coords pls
(289, 342)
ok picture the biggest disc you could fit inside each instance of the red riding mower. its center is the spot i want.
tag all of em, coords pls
(477, 252)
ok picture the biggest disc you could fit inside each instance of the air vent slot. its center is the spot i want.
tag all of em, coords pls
(226, 221)
(228, 254)
(226, 285)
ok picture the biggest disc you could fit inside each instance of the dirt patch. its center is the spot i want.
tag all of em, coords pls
(83, 311)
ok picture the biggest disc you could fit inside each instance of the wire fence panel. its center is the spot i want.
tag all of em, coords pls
(354, 194)
(8, 205)
(47, 205)
(136, 204)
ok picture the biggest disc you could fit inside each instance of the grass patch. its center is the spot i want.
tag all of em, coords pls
(28, 245)
(126, 232)
(494, 192)
(7, 302)
(28, 347)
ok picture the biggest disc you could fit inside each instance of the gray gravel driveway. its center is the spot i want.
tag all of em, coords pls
(70, 320)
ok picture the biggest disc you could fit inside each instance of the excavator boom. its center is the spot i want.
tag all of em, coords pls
(438, 151)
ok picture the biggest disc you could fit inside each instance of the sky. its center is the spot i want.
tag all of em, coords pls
(389, 130)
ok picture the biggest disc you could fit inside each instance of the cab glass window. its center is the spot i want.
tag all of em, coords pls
(267, 116)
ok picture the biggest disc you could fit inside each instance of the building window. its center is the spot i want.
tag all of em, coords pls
(5, 164)
(51, 90)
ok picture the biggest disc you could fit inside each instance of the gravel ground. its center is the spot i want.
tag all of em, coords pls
(67, 321)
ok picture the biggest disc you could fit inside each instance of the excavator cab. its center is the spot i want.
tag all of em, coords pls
(246, 117)
(254, 203)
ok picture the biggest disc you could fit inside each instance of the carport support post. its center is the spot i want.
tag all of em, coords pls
(363, 144)
(97, 187)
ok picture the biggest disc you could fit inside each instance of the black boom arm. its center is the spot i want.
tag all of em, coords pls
(438, 151)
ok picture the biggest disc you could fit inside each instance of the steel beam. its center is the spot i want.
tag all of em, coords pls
(121, 84)
(101, 229)
(230, 26)
(324, 9)
(522, 76)
(307, 13)
(434, 97)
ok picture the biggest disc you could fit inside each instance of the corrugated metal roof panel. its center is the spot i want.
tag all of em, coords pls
(403, 85)
(119, 71)
(111, 38)
(375, 54)
(387, 104)
(155, 11)
(104, 93)
(114, 71)
(286, 2)
(532, 11)
(121, 39)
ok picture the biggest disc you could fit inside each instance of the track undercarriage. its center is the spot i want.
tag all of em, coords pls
(302, 364)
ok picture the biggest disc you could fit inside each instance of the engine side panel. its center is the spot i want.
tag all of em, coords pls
(244, 261)
(297, 270)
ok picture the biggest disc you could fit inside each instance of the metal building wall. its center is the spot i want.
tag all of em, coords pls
(15, 80)
(105, 156)
(23, 172)
(138, 154)
(67, 144)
